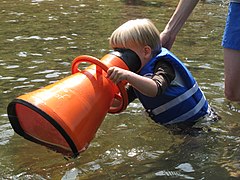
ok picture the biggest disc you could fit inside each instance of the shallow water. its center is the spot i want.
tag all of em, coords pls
(38, 41)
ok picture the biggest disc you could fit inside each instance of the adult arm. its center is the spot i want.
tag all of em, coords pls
(176, 22)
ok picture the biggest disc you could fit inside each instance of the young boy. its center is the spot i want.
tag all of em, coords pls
(164, 86)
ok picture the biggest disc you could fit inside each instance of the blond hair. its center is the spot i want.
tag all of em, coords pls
(138, 32)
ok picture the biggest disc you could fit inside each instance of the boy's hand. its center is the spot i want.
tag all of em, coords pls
(145, 85)
(117, 74)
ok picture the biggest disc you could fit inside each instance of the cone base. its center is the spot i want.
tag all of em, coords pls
(37, 126)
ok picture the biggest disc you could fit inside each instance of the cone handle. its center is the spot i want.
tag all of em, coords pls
(122, 97)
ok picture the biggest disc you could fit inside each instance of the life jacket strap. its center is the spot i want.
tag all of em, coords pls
(190, 113)
(176, 100)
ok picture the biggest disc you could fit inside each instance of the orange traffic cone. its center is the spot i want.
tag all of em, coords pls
(66, 115)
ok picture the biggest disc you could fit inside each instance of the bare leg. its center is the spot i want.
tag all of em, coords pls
(232, 74)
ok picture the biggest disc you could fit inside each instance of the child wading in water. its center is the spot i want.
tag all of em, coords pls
(164, 86)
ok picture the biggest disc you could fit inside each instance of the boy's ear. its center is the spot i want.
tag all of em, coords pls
(147, 51)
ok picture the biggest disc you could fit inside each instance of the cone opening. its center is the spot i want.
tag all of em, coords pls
(37, 126)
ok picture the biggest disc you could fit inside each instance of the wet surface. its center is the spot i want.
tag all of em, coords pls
(40, 38)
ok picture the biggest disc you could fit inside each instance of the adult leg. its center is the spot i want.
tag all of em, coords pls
(232, 74)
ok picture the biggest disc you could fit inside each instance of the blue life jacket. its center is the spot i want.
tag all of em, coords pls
(182, 101)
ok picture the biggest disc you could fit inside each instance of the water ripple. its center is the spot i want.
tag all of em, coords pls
(71, 174)
(38, 80)
(23, 86)
(6, 132)
(6, 78)
(45, 72)
(52, 75)
(186, 167)
(173, 174)
(32, 37)
(12, 66)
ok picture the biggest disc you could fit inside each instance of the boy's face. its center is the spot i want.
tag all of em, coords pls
(144, 53)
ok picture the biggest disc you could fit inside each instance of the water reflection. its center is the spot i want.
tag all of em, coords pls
(38, 41)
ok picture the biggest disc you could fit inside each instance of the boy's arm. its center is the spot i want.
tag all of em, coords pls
(163, 75)
(176, 22)
(143, 84)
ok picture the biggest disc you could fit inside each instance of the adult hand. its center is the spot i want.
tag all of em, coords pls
(167, 39)
(179, 17)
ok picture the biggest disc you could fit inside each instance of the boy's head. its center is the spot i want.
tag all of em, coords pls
(139, 35)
